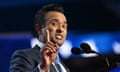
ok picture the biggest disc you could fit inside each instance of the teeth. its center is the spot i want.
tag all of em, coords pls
(59, 37)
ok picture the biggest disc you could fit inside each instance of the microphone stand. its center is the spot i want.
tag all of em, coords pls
(106, 59)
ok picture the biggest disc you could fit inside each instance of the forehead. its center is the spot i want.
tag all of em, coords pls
(53, 15)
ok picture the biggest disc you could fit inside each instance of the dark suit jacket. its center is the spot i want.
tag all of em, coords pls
(27, 60)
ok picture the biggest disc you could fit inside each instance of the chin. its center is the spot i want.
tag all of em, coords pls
(60, 43)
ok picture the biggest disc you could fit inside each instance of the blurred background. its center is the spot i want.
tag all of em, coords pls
(96, 22)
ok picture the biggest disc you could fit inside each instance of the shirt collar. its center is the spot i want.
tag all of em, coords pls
(41, 44)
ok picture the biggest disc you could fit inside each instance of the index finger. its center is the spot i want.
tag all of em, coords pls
(48, 36)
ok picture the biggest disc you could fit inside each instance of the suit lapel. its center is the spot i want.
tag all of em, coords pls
(53, 68)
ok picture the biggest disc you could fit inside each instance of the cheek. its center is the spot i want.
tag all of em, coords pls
(65, 32)
(51, 30)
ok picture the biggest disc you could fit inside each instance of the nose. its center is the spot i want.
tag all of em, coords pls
(59, 29)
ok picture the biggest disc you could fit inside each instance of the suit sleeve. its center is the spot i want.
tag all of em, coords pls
(21, 62)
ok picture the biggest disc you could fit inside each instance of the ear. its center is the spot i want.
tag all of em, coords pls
(38, 28)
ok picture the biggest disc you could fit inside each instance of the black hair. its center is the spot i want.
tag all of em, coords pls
(40, 16)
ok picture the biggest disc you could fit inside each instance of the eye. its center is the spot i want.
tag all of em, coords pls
(54, 23)
(64, 25)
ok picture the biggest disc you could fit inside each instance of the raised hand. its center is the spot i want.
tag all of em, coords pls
(49, 52)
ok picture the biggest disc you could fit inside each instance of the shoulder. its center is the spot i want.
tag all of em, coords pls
(28, 58)
(23, 51)
(27, 51)
(31, 54)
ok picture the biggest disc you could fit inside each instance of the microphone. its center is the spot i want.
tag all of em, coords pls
(86, 48)
(76, 51)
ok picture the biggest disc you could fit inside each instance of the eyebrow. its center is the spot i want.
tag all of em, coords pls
(65, 22)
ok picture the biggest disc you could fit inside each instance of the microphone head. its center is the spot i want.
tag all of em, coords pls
(76, 51)
(86, 47)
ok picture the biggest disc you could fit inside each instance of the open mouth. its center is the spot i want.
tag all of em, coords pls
(59, 36)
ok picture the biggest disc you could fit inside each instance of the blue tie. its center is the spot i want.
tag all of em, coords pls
(59, 68)
(57, 61)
